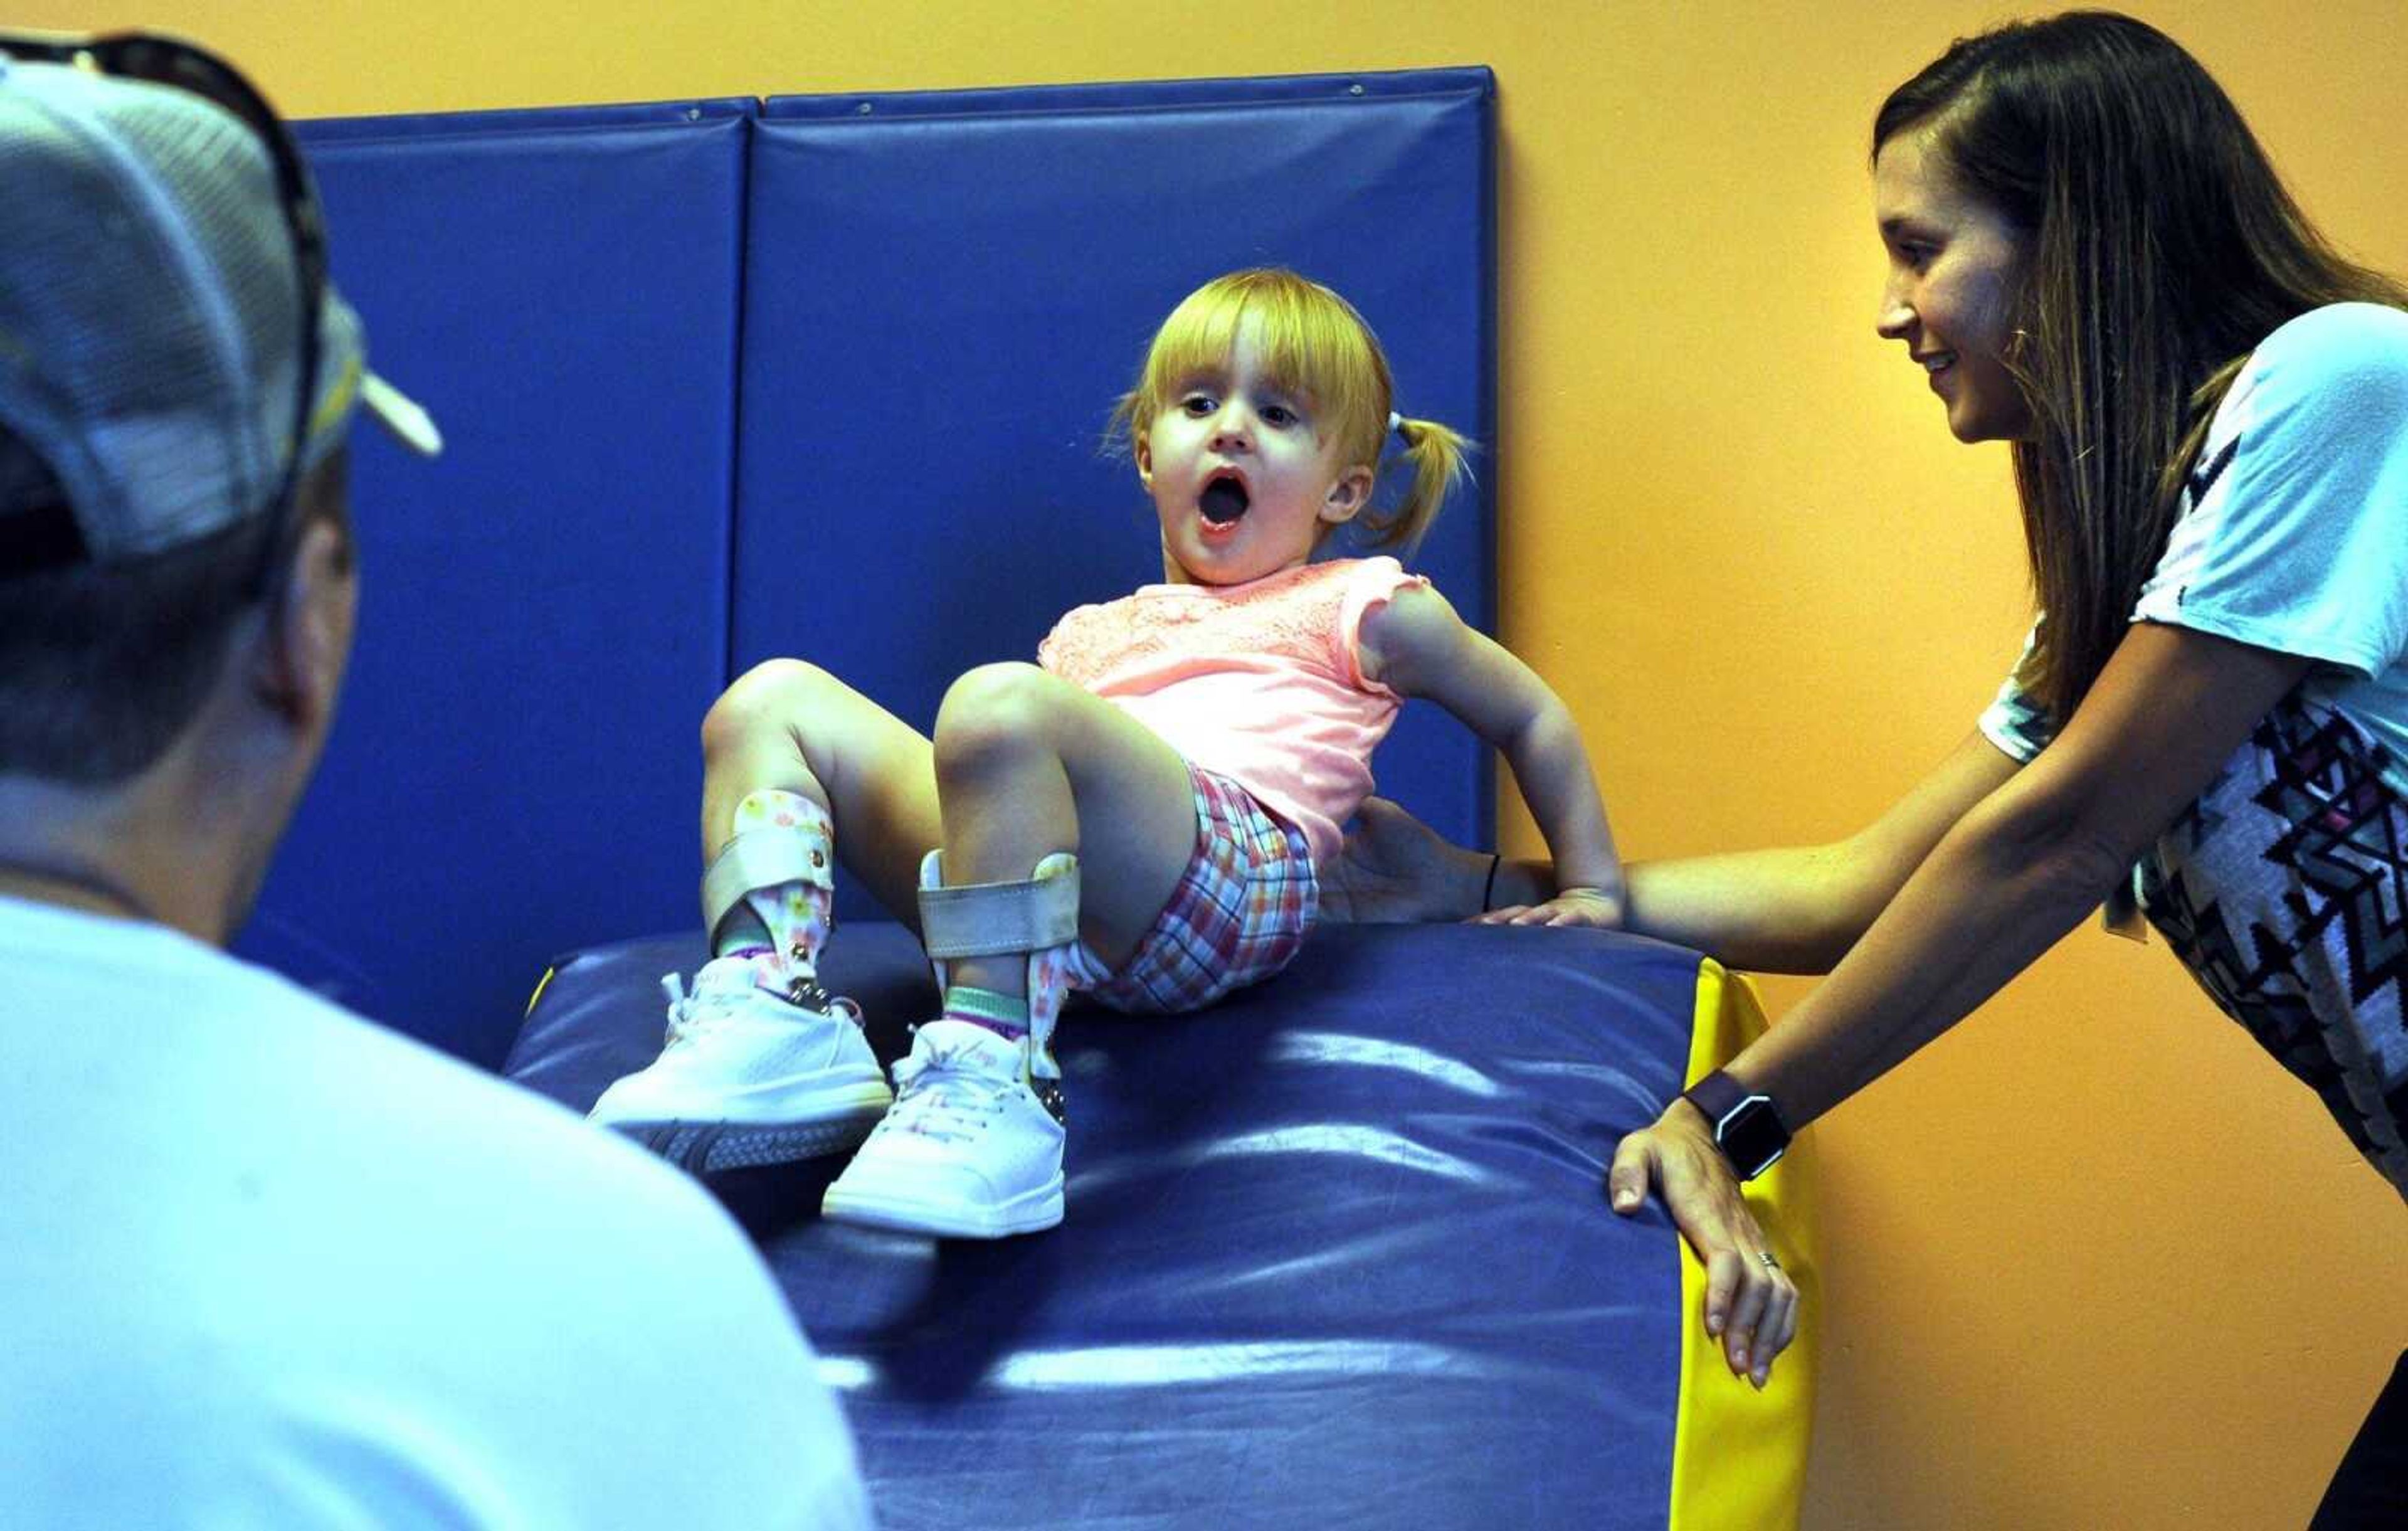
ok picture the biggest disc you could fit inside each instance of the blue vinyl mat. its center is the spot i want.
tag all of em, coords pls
(1336, 1251)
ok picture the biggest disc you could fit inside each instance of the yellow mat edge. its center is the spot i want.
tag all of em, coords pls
(1739, 1456)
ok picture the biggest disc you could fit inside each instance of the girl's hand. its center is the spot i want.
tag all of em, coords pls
(1591, 907)
(1751, 1302)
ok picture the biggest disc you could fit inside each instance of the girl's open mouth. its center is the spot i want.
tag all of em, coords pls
(1223, 500)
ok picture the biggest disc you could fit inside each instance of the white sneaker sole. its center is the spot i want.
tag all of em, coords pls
(1031, 1211)
(807, 1126)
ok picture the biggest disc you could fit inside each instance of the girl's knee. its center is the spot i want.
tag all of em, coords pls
(771, 696)
(994, 709)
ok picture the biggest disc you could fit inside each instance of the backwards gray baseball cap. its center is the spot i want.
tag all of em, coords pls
(151, 316)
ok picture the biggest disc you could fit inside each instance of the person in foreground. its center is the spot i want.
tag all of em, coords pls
(2093, 260)
(1140, 815)
(268, 1264)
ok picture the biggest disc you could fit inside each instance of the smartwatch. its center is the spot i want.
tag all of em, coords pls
(1747, 1127)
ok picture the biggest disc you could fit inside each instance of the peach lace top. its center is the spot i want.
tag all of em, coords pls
(1260, 682)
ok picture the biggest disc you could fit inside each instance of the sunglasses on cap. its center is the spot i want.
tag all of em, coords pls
(157, 60)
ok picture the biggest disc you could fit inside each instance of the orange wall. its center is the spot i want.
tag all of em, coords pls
(2091, 1261)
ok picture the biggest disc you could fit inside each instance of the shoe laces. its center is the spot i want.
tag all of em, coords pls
(692, 1013)
(946, 1090)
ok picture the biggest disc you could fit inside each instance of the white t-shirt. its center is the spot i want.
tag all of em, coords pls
(2294, 531)
(262, 1263)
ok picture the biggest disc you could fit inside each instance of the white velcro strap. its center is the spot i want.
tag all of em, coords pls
(988, 918)
(762, 858)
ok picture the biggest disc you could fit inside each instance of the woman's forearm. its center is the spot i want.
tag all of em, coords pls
(1790, 911)
(1990, 899)
(1793, 909)
(2023, 866)
(1798, 909)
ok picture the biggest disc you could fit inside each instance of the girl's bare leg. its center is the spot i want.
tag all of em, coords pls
(792, 726)
(762, 1064)
(1027, 765)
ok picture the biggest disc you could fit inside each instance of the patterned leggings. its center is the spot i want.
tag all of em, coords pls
(2283, 889)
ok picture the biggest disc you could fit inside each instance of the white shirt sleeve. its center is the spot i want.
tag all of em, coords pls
(2296, 533)
(2013, 721)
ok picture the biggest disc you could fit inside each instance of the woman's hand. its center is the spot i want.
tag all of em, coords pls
(1397, 870)
(1751, 1303)
(1591, 907)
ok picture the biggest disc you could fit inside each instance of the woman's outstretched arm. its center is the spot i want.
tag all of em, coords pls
(2007, 879)
(1794, 909)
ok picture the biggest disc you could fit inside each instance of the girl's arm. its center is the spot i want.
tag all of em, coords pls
(2012, 876)
(1417, 646)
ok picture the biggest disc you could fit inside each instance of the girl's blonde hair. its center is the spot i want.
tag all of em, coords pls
(1313, 343)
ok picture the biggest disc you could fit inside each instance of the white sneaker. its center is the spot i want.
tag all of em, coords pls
(751, 1075)
(968, 1151)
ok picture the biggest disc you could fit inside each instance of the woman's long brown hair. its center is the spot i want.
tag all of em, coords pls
(2159, 248)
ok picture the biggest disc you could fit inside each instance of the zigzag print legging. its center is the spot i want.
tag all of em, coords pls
(2284, 890)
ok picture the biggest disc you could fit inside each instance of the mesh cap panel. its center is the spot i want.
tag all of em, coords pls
(149, 310)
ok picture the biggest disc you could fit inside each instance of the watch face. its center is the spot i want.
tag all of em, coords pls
(1751, 1137)
(1747, 1128)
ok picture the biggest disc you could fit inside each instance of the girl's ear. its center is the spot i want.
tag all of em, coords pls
(1347, 496)
(1145, 455)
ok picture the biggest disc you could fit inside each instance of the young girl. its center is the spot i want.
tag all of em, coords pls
(1139, 815)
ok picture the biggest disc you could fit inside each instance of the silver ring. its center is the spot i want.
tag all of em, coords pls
(1770, 1262)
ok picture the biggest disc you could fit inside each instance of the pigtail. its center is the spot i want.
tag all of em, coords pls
(1132, 415)
(1440, 458)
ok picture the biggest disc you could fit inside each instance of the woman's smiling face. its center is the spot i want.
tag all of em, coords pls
(1949, 297)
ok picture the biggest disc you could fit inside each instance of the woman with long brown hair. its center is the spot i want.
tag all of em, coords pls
(2094, 261)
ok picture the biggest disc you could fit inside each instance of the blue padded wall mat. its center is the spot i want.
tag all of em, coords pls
(948, 291)
(1336, 1251)
(543, 614)
(1229, 91)
(318, 134)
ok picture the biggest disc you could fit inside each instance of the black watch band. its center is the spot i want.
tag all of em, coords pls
(1747, 1127)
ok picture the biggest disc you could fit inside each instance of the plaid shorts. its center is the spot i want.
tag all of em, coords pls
(1238, 916)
